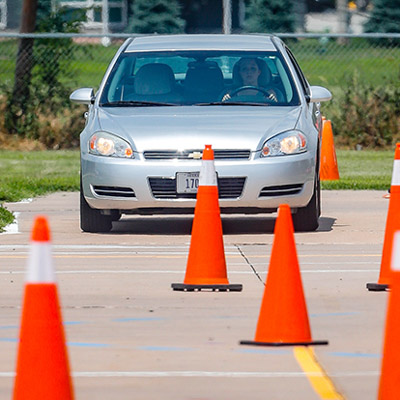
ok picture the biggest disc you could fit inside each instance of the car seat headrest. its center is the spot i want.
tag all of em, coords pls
(154, 79)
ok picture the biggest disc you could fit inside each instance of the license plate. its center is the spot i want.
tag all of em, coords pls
(187, 182)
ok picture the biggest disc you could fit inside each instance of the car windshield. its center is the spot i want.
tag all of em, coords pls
(176, 78)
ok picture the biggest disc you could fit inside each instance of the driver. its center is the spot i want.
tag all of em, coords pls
(249, 71)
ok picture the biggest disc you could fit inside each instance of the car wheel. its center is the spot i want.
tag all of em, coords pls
(306, 218)
(92, 220)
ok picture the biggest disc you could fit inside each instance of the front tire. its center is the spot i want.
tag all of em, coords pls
(306, 219)
(93, 220)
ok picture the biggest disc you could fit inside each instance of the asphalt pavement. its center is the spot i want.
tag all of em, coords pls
(129, 336)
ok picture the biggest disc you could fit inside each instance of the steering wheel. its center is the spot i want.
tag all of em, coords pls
(258, 89)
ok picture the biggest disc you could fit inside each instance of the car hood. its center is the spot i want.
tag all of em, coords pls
(224, 127)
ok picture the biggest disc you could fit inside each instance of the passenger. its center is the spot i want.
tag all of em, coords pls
(247, 72)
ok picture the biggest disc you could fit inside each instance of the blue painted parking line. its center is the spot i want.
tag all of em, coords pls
(164, 348)
(335, 314)
(137, 319)
(82, 344)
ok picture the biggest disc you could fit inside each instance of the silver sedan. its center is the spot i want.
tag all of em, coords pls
(163, 98)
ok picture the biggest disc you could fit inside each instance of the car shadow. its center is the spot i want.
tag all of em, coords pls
(326, 224)
(171, 225)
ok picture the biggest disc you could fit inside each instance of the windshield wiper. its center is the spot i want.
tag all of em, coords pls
(231, 103)
(131, 103)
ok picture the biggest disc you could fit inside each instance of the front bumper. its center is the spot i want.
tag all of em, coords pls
(125, 183)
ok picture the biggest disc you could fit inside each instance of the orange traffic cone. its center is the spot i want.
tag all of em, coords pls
(42, 363)
(283, 319)
(329, 167)
(392, 225)
(206, 266)
(389, 386)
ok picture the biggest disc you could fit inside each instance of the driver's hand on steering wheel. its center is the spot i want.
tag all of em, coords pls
(270, 94)
(226, 97)
(272, 97)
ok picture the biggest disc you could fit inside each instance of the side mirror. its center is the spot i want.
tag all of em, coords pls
(319, 93)
(82, 96)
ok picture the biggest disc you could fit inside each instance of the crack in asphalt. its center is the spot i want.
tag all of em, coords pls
(249, 263)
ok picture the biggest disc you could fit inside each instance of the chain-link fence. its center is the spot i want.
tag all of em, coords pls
(59, 63)
(81, 60)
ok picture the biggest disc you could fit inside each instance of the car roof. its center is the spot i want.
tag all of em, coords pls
(201, 42)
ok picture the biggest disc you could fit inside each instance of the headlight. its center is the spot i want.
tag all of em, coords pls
(291, 142)
(105, 144)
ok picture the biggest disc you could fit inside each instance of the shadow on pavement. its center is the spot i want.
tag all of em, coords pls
(326, 224)
(239, 225)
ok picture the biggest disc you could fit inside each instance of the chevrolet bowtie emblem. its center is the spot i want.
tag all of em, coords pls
(195, 155)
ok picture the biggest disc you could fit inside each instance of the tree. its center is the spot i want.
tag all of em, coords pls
(271, 16)
(384, 17)
(23, 69)
(53, 55)
(156, 16)
(41, 63)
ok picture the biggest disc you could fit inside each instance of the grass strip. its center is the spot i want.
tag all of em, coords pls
(362, 170)
(27, 174)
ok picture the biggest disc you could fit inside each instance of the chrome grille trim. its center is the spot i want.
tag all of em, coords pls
(283, 190)
(190, 154)
(165, 188)
(113, 191)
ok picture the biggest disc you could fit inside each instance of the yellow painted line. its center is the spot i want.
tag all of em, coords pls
(13, 256)
(319, 380)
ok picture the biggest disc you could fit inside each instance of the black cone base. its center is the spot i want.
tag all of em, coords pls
(377, 287)
(279, 344)
(215, 288)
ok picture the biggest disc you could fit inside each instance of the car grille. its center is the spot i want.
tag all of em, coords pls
(114, 191)
(284, 190)
(189, 155)
(165, 188)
